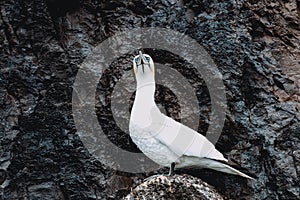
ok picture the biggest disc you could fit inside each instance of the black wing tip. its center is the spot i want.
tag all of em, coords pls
(235, 165)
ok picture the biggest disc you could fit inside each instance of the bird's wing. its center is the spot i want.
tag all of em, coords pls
(183, 140)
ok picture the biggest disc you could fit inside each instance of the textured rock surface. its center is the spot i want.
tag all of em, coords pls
(175, 187)
(277, 24)
(255, 45)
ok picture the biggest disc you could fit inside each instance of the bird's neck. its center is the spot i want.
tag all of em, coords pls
(145, 93)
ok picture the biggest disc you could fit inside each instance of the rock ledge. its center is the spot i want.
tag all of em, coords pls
(174, 187)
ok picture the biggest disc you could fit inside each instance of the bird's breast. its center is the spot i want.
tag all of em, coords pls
(151, 147)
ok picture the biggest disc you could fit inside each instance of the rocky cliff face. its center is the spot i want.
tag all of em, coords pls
(255, 45)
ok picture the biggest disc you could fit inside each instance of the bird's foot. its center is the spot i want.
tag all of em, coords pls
(153, 176)
(171, 173)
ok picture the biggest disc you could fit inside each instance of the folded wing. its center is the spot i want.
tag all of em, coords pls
(183, 140)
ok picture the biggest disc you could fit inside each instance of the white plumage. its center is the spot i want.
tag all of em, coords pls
(163, 139)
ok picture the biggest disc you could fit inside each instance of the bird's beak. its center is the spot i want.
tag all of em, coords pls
(142, 60)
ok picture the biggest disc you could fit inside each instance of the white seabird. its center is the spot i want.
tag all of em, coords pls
(162, 139)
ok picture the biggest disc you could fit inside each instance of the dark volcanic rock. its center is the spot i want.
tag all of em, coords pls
(255, 45)
(174, 187)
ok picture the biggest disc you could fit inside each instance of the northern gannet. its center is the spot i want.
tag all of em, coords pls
(162, 139)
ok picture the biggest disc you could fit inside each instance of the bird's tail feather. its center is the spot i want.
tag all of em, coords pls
(222, 167)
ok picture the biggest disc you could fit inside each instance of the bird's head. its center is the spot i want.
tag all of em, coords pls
(143, 66)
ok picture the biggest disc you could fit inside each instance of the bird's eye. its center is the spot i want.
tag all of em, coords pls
(136, 60)
(148, 59)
